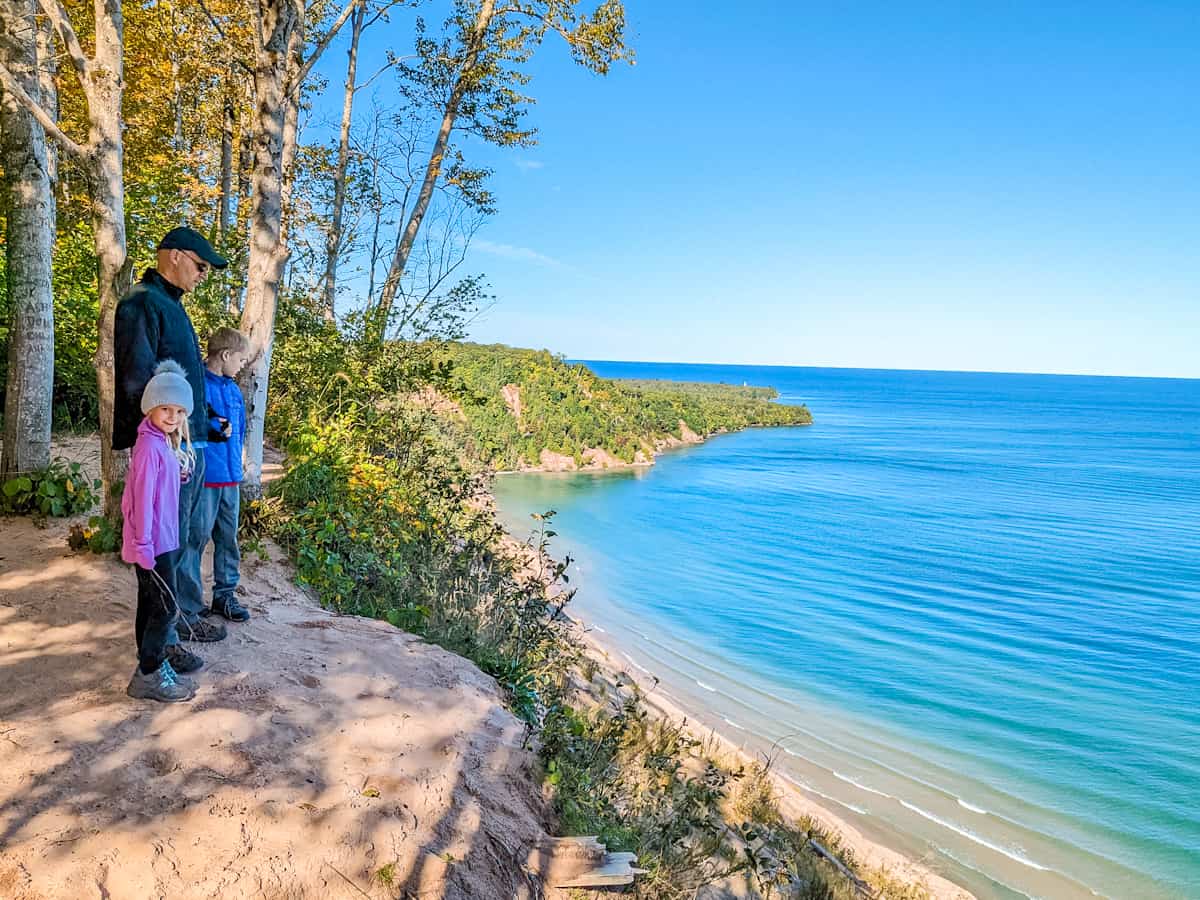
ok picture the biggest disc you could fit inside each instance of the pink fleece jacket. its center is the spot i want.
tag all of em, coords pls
(150, 503)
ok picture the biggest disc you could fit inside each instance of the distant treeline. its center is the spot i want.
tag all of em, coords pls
(518, 403)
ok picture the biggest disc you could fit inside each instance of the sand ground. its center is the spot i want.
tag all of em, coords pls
(324, 756)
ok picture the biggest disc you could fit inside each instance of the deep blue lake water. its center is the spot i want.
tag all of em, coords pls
(967, 606)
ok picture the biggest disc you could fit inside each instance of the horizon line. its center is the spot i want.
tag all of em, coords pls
(661, 362)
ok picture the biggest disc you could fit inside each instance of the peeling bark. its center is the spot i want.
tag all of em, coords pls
(281, 27)
(28, 205)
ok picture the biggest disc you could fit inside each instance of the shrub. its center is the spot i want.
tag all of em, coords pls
(61, 489)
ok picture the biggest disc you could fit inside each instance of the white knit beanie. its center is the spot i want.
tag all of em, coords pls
(168, 386)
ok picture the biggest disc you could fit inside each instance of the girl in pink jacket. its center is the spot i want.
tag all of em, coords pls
(162, 458)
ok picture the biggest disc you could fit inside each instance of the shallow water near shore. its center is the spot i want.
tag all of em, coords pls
(964, 606)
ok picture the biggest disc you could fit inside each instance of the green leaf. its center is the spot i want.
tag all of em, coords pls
(14, 486)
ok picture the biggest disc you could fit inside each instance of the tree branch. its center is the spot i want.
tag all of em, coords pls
(44, 118)
(62, 22)
(221, 33)
(307, 65)
(341, 20)
(382, 69)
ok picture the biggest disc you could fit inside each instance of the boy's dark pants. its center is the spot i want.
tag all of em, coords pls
(156, 613)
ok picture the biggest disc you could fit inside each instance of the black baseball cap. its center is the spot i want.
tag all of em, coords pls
(184, 238)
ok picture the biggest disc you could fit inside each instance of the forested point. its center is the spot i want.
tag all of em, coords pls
(519, 402)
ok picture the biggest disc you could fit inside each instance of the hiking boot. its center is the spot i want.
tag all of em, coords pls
(189, 683)
(202, 630)
(230, 609)
(160, 685)
(183, 660)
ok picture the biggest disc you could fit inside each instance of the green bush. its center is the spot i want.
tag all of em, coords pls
(61, 489)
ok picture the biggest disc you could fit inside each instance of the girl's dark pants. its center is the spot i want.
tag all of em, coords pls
(156, 613)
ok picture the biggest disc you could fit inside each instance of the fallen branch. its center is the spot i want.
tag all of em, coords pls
(861, 886)
(348, 881)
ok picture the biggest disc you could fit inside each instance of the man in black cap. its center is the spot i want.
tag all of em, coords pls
(152, 325)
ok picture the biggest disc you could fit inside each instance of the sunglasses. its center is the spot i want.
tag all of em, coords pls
(201, 266)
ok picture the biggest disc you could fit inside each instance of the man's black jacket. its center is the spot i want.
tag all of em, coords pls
(151, 326)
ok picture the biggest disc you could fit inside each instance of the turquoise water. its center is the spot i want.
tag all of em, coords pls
(964, 605)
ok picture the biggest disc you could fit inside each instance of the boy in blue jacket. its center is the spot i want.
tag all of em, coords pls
(228, 352)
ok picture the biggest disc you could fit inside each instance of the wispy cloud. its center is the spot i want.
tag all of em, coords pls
(508, 251)
(528, 165)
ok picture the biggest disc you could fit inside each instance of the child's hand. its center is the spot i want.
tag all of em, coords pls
(226, 428)
(184, 476)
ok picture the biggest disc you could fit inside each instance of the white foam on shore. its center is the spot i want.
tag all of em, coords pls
(733, 723)
(971, 836)
(636, 664)
(962, 862)
(707, 687)
(858, 784)
(975, 809)
(805, 786)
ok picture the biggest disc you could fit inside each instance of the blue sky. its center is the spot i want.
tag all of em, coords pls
(983, 186)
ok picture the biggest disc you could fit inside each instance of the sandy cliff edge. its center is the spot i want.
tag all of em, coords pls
(324, 756)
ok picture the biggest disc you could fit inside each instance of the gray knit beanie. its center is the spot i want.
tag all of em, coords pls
(168, 386)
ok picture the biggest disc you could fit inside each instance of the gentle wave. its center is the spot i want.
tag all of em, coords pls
(860, 785)
(636, 664)
(972, 836)
(950, 854)
(804, 785)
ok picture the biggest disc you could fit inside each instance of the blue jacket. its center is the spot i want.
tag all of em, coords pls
(152, 325)
(223, 458)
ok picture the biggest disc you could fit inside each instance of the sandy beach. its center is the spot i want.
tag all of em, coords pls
(793, 801)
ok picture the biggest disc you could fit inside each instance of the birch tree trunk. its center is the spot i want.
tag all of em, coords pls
(225, 207)
(279, 73)
(28, 203)
(108, 223)
(334, 239)
(280, 27)
(47, 82)
(391, 284)
(101, 78)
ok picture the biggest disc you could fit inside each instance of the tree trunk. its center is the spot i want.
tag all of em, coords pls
(391, 284)
(28, 202)
(278, 25)
(226, 203)
(245, 173)
(108, 224)
(48, 82)
(334, 238)
(101, 79)
(241, 213)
